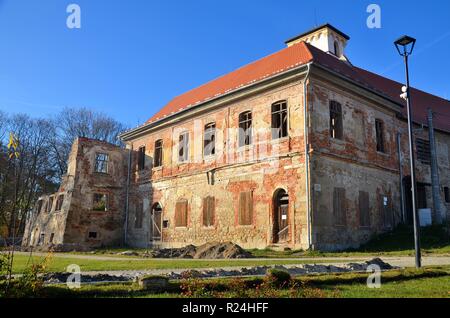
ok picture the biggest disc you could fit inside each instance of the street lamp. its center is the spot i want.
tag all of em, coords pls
(405, 46)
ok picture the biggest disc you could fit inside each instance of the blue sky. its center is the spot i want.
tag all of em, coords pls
(131, 57)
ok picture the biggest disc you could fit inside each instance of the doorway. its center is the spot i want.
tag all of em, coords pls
(280, 216)
(155, 223)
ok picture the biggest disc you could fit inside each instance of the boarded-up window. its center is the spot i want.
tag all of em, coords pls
(59, 202)
(181, 215)
(158, 156)
(141, 158)
(364, 209)
(208, 210)
(279, 120)
(385, 211)
(139, 215)
(379, 131)
(423, 151)
(245, 129)
(339, 211)
(335, 120)
(209, 141)
(245, 208)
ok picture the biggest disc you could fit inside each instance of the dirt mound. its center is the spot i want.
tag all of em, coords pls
(379, 262)
(221, 250)
(206, 251)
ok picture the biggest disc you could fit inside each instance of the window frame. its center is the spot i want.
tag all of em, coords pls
(59, 202)
(209, 130)
(423, 150)
(104, 163)
(339, 207)
(336, 120)
(379, 135)
(282, 115)
(245, 207)
(183, 144)
(209, 211)
(106, 196)
(50, 204)
(364, 219)
(184, 219)
(158, 154)
(141, 158)
(245, 135)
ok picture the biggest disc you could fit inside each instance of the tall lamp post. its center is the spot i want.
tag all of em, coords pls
(405, 46)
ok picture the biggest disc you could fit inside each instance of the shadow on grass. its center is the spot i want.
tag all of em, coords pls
(402, 238)
(360, 278)
(209, 287)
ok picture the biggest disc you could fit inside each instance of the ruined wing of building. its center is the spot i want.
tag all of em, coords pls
(299, 149)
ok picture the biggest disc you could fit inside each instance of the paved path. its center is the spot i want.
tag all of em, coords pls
(400, 261)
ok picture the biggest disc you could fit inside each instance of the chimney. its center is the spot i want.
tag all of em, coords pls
(326, 38)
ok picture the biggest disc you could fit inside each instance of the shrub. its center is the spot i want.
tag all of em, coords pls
(29, 284)
(277, 277)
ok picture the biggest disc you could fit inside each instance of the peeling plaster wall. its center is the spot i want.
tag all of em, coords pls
(354, 164)
(70, 226)
(263, 167)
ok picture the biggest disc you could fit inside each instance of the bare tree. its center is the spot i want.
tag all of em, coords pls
(24, 178)
(44, 146)
(81, 122)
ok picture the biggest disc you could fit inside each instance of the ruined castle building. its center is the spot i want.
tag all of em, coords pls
(88, 209)
(298, 149)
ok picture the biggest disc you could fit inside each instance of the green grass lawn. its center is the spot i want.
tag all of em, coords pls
(427, 282)
(59, 264)
(400, 242)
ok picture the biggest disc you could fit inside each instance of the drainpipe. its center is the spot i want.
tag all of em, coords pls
(305, 135)
(400, 169)
(127, 198)
(435, 188)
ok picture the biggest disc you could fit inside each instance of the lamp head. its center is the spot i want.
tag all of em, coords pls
(405, 45)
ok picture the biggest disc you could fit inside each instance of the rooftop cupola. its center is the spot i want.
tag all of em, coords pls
(326, 38)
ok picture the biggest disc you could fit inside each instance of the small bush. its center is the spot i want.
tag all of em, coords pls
(277, 277)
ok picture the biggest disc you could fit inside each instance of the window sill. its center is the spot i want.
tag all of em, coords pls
(245, 148)
(279, 140)
(209, 158)
(337, 141)
(384, 154)
(101, 173)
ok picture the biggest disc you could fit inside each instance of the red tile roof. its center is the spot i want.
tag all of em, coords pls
(303, 53)
(421, 100)
(268, 66)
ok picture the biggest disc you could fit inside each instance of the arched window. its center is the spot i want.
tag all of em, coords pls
(245, 128)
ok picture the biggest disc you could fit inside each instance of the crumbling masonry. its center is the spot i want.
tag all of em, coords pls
(299, 149)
